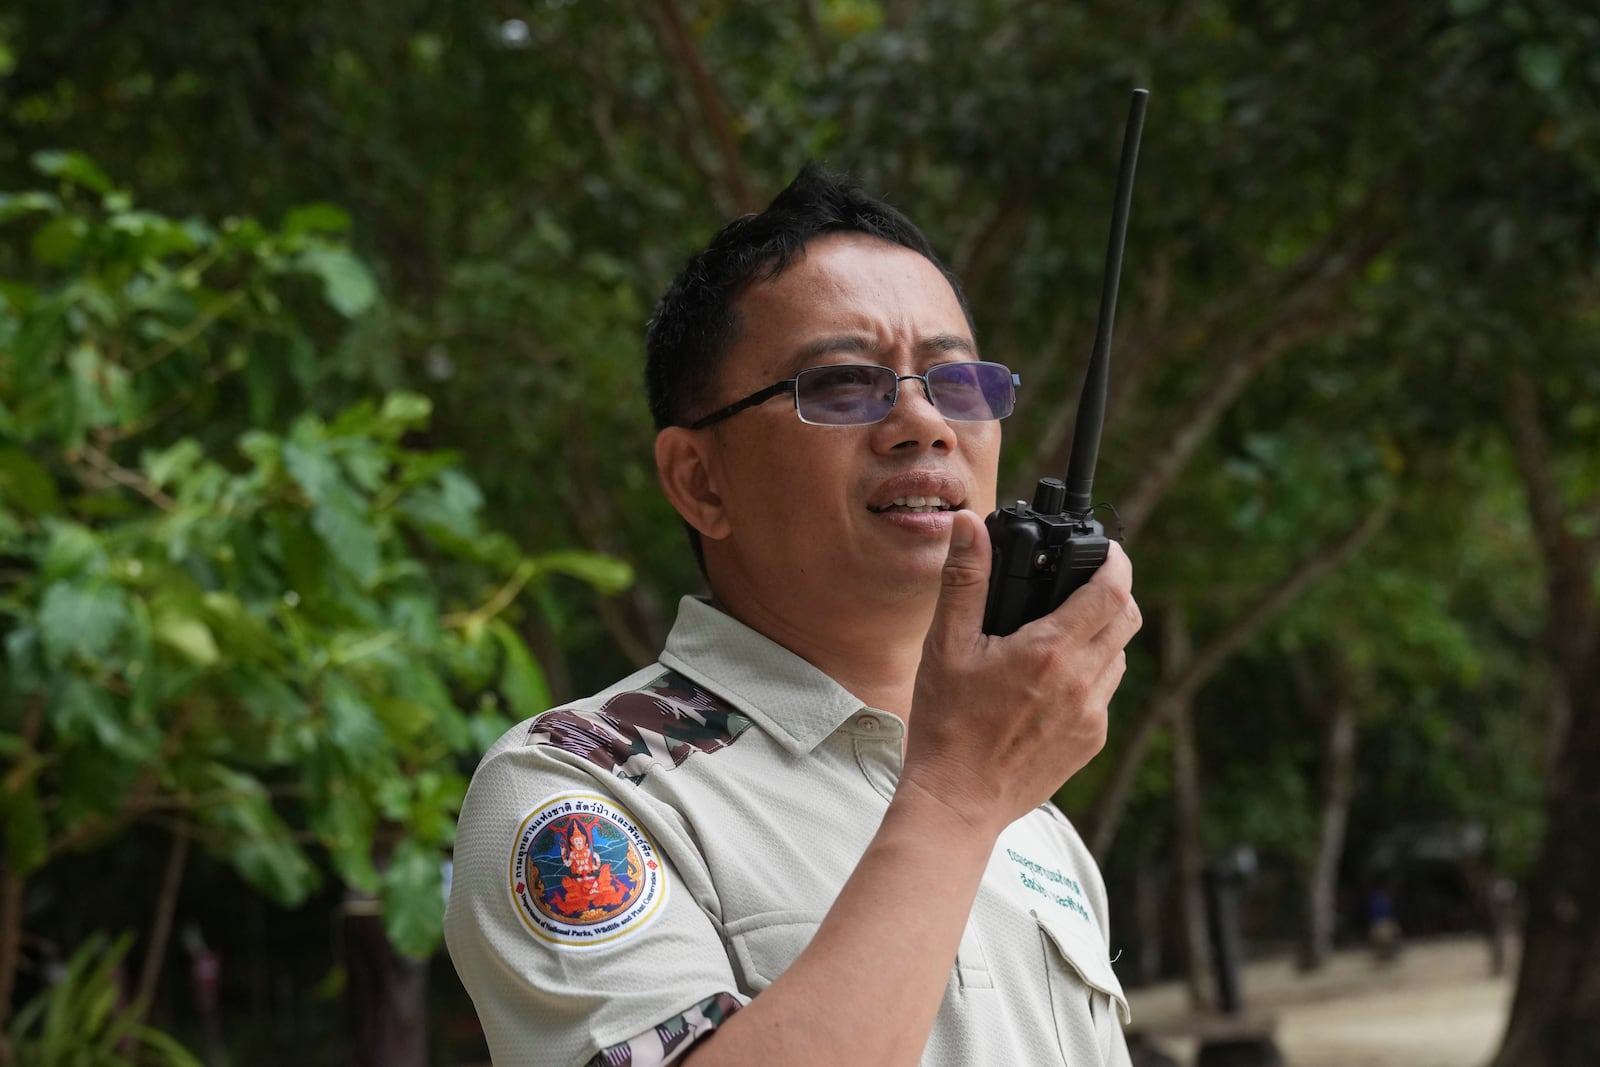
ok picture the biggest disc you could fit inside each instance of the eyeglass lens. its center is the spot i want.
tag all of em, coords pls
(851, 395)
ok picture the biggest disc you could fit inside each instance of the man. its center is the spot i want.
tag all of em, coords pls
(825, 813)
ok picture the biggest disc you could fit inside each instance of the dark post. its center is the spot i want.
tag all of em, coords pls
(1236, 1040)
(1222, 922)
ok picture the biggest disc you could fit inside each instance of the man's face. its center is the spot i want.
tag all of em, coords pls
(817, 504)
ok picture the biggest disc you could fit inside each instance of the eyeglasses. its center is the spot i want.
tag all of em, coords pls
(855, 394)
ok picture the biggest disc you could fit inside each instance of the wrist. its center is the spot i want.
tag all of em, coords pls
(930, 809)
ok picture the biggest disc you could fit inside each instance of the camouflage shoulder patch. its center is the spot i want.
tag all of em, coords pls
(668, 1042)
(633, 732)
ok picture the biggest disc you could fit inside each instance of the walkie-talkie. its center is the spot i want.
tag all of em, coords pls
(1045, 550)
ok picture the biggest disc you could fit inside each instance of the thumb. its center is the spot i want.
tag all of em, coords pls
(964, 583)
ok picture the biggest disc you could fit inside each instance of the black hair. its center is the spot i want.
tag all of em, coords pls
(694, 322)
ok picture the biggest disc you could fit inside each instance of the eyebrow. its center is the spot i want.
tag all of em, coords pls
(866, 344)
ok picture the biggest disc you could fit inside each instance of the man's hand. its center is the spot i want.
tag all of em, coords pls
(998, 723)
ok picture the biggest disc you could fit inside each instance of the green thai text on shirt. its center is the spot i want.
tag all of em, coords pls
(1051, 884)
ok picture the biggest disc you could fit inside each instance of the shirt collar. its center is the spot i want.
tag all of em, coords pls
(783, 694)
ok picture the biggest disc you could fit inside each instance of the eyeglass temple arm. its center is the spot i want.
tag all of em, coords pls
(761, 397)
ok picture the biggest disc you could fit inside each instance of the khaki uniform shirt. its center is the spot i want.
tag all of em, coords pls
(635, 867)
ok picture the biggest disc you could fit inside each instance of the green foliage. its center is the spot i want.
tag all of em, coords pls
(318, 591)
(276, 634)
(81, 1020)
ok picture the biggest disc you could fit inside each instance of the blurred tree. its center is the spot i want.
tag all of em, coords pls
(1349, 222)
(256, 639)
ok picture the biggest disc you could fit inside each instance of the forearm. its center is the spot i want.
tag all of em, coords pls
(867, 988)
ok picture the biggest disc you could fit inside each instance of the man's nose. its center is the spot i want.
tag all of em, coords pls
(920, 379)
(914, 420)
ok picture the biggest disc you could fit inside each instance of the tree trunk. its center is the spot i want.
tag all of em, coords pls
(13, 888)
(1555, 1018)
(1187, 827)
(1191, 860)
(11, 898)
(1151, 910)
(1338, 775)
(387, 992)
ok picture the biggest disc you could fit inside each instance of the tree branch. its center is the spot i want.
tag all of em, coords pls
(155, 952)
(680, 43)
(1304, 295)
(810, 19)
(1569, 561)
(501, 600)
(1174, 693)
(1306, 313)
(12, 886)
(141, 797)
(197, 326)
(980, 255)
(111, 470)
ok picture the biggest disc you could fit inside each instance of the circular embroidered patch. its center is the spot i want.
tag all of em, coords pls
(583, 873)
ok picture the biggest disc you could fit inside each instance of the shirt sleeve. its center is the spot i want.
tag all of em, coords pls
(569, 923)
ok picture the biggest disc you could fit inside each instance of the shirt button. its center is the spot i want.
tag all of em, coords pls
(868, 723)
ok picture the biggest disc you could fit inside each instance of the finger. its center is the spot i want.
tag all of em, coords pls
(1105, 684)
(1116, 576)
(1116, 571)
(1094, 605)
(964, 582)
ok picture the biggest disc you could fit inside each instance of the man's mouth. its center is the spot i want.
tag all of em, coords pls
(917, 504)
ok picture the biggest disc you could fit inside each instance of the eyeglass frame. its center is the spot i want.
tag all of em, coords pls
(792, 385)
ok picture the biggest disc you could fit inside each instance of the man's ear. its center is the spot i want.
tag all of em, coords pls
(686, 465)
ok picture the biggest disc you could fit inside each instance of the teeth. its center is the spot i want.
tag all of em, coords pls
(919, 505)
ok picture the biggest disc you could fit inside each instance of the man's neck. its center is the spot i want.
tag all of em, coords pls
(873, 652)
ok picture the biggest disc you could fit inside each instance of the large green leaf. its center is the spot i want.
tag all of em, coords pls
(169, 466)
(73, 551)
(74, 167)
(338, 516)
(353, 727)
(81, 619)
(405, 411)
(346, 283)
(84, 712)
(447, 508)
(253, 837)
(413, 898)
(188, 635)
(25, 485)
(521, 680)
(345, 821)
(58, 241)
(315, 218)
(15, 205)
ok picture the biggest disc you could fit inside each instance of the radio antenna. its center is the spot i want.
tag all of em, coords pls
(1092, 404)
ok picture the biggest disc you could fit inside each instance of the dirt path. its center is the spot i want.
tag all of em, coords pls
(1436, 1006)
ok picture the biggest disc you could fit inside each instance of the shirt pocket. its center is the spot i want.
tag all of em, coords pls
(764, 945)
(1085, 997)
